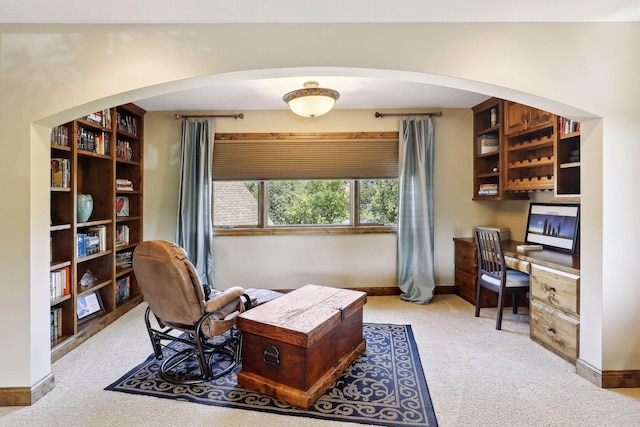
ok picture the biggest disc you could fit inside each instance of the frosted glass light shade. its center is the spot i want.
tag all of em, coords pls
(312, 101)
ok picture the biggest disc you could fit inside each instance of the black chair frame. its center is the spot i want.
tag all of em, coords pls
(196, 346)
(492, 265)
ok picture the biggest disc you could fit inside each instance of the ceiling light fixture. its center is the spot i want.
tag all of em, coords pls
(312, 101)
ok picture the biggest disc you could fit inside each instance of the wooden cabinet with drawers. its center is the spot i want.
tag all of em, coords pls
(466, 274)
(555, 313)
(554, 298)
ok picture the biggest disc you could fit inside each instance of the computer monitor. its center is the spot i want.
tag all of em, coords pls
(553, 225)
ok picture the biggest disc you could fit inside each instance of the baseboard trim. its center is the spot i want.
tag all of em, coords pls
(26, 396)
(608, 379)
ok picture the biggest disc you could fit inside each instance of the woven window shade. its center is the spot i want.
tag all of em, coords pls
(305, 156)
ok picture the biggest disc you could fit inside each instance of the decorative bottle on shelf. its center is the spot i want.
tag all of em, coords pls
(84, 207)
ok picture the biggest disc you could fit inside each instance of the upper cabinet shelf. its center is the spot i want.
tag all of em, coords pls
(520, 149)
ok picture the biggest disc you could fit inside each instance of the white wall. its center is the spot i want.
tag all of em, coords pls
(287, 262)
(53, 73)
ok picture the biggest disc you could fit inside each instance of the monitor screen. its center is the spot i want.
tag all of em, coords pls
(553, 225)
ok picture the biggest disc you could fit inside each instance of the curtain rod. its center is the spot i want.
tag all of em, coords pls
(380, 115)
(234, 116)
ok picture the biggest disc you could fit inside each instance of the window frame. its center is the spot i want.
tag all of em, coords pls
(347, 139)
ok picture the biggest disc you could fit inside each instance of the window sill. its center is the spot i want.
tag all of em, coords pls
(284, 231)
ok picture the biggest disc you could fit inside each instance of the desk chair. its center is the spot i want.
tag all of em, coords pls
(494, 275)
(202, 331)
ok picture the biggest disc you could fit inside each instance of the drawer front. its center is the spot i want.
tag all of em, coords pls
(465, 258)
(556, 288)
(555, 330)
(465, 285)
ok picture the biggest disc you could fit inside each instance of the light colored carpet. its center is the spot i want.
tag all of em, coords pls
(477, 376)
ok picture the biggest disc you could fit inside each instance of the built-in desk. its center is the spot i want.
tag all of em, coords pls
(554, 299)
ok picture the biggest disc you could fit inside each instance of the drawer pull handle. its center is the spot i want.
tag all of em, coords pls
(550, 329)
(551, 289)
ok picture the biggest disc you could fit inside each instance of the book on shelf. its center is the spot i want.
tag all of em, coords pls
(127, 123)
(103, 118)
(122, 206)
(99, 231)
(89, 140)
(60, 135)
(529, 247)
(59, 283)
(122, 234)
(123, 259)
(56, 323)
(123, 289)
(90, 243)
(124, 184)
(488, 190)
(60, 173)
(567, 126)
(123, 150)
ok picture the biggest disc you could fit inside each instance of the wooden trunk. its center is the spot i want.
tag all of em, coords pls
(294, 347)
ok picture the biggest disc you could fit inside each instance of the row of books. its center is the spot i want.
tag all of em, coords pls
(124, 184)
(488, 190)
(103, 118)
(56, 323)
(60, 172)
(128, 123)
(567, 126)
(123, 289)
(122, 234)
(59, 283)
(93, 141)
(124, 259)
(60, 135)
(93, 241)
(123, 150)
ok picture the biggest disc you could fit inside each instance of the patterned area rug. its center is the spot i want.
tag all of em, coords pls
(384, 386)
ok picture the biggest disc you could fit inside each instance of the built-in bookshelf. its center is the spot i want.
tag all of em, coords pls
(520, 149)
(90, 286)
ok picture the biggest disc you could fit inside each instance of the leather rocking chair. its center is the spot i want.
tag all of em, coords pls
(186, 328)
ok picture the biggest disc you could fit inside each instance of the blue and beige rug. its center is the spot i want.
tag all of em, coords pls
(384, 386)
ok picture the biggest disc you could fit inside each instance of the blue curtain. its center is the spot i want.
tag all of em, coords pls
(416, 274)
(194, 228)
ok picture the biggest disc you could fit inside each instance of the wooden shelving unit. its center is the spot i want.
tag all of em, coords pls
(488, 152)
(92, 150)
(568, 159)
(535, 151)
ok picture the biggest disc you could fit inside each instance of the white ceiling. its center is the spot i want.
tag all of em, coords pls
(355, 92)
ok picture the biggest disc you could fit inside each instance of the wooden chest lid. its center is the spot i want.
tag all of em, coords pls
(302, 316)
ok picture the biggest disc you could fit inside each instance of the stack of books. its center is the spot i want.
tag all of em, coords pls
(103, 118)
(123, 259)
(488, 190)
(124, 185)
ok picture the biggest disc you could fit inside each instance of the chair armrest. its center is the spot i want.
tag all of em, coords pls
(219, 301)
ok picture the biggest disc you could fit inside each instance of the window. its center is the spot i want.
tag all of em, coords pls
(287, 183)
(378, 201)
(296, 203)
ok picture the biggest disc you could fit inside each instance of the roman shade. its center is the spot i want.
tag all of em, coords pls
(278, 156)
